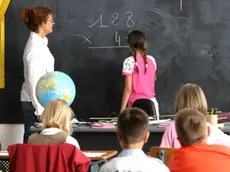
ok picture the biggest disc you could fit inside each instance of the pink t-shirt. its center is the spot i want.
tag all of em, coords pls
(143, 84)
(216, 136)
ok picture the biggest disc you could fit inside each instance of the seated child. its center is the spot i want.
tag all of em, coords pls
(196, 155)
(132, 134)
(192, 96)
(56, 120)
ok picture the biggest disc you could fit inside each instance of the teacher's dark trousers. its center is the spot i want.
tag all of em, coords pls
(29, 119)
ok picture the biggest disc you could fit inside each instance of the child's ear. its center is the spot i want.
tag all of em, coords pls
(209, 130)
(146, 138)
(118, 136)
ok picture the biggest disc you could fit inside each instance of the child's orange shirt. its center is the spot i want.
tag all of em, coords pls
(200, 158)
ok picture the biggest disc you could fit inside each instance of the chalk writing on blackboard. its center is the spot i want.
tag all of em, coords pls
(108, 47)
(115, 22)
(115, 16)
(100, 19)
(181, 5)
(117, 39)
(47, 3)
(130, 23)
(87, 40)
(159, 12)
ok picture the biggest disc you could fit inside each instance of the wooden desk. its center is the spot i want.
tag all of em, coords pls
(4, 155)
(107, 154)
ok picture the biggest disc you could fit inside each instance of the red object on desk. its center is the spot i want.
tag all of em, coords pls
(102, 125)
(162, 126)
(224, 117)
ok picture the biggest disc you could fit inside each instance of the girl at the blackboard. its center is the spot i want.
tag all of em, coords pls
(139, 71)
(37, 60)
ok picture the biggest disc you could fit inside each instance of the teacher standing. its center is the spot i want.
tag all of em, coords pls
(37, 61)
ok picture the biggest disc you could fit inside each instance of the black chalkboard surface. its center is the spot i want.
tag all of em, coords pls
(189, 38)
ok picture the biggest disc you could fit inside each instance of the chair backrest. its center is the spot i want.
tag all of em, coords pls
(52, 157)
(164, 154)
(146, 105)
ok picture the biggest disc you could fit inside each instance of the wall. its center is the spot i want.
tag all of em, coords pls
(10, 134)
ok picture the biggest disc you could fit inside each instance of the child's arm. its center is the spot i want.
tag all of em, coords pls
(170, 132)
(155, 65)
(127, 92)
(220, 137)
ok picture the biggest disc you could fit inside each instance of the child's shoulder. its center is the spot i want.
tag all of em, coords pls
(129, 59)
(124, 163)
(151, 58)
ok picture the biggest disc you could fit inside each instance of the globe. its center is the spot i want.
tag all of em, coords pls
(55, 85)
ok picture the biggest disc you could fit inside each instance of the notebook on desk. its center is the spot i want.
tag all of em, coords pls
(94, 154)
(102, 125)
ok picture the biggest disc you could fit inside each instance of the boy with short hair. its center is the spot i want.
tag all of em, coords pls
(196, 155)
(132, 134)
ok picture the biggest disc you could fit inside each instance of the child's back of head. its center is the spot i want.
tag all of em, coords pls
(191, 126)
(133, 126)
(132, 132)
(56, 125)
(191, 96)
(195, 154)
(58, 114)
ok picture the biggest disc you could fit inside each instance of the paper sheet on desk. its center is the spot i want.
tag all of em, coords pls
(159, 121)
(221, 125)
(93, 154)
(4, 153)
(75, 121)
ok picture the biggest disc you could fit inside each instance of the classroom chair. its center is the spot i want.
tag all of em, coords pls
(47, 158)
(164, 154)
(146, 105)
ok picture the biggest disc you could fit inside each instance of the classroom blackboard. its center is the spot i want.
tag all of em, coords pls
(189, 39)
